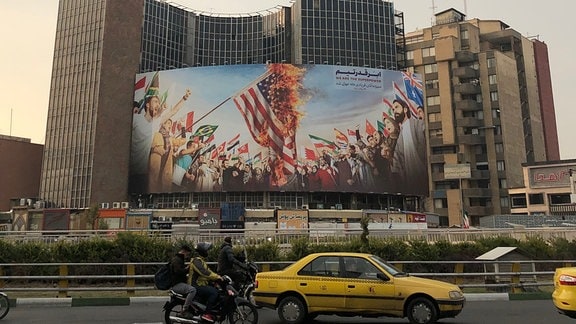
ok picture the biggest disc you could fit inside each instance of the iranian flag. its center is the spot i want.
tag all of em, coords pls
(320, 143)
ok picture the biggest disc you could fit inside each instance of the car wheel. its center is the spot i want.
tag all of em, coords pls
(422, 310)
(291, 310)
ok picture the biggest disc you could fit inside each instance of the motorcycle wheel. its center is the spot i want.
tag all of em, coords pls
(173, 309)
(4, 305)
(244, 313)
(250, 296)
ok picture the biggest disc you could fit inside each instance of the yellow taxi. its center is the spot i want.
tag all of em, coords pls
(354, 284)
(564, 295)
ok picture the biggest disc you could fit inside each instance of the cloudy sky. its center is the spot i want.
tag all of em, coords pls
(28, 29)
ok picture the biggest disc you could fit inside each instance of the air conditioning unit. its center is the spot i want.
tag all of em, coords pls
(105, 205)
(305, 206)
(116, 204)
(125, 205)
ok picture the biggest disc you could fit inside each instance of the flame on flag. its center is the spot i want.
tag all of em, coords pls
(268, 106)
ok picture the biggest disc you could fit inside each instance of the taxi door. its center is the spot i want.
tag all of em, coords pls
(364, 290)
(320, 281)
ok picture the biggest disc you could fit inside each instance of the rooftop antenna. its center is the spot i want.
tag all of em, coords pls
(433, 13)
(465, 8)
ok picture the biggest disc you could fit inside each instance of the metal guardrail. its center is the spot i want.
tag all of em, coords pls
(514, 280)
(256, 234)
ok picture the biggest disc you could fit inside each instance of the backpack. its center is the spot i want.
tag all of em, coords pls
(163, 277)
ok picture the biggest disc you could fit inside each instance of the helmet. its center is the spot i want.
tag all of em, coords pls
(203, 247)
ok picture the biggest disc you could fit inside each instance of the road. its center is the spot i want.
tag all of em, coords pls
(477, 312)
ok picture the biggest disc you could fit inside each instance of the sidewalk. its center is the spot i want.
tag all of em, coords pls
(125, 301)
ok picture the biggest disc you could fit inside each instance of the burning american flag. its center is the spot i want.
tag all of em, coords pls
(268, 106)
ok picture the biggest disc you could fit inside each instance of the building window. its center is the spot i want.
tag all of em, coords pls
(434, 117)
(496, 113)
(504, 202)
(433, 101)
(502, 183)
(499, 147)
(432, 84)
(481, 165)
(409, 55)
(492, 79)
(441, 203)
(431, 68)
(491, 62)
(518, 201)
(436, 133)
(493, 96)
(428, 51)
(464, 34)
(559, 199)
(536, 199)
(500, 166)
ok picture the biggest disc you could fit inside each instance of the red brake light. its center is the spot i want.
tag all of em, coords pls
(567, 280)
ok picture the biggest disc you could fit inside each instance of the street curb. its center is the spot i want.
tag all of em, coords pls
(531, 296)
(486, 296)
(126, 301)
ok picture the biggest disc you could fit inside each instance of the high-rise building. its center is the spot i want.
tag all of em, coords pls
(489, 106)
(101, 45)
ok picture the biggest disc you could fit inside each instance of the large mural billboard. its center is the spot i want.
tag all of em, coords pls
(278, 127)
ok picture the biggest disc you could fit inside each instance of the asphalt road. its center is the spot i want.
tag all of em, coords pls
(476, 312)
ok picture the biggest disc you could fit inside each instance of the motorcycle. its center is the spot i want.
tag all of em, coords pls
(229, 306)
(4, 305)
(247, 282)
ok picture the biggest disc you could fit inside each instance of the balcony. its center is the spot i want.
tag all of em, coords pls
(436, 141)
(471, 139)
(468, 105)
(435, 125)
(480, 174)
(465, 56)
(436, 158)
(438, 176)
(466, 72)
(469, 122)
(477, 192)
(467, 88)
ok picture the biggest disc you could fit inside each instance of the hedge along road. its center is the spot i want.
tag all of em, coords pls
(150, 312)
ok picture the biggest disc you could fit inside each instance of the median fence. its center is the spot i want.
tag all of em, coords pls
(63, 278)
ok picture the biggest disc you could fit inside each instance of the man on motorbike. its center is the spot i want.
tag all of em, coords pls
(227, 261)
(180, 277)
(201, 276)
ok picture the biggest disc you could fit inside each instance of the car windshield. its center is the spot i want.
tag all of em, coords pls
(387, 266)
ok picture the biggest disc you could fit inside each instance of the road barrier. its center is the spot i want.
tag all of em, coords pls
(132, 277)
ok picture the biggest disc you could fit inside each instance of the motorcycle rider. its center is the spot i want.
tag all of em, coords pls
(180, 278)
(201, 276)
(227, 261)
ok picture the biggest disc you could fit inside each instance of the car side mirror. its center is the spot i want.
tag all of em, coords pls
(382, 276)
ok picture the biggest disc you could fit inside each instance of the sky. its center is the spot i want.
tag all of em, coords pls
(28, 32)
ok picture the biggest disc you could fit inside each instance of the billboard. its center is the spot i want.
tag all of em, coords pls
(550, 176)
(292, 219)
(278, 127)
